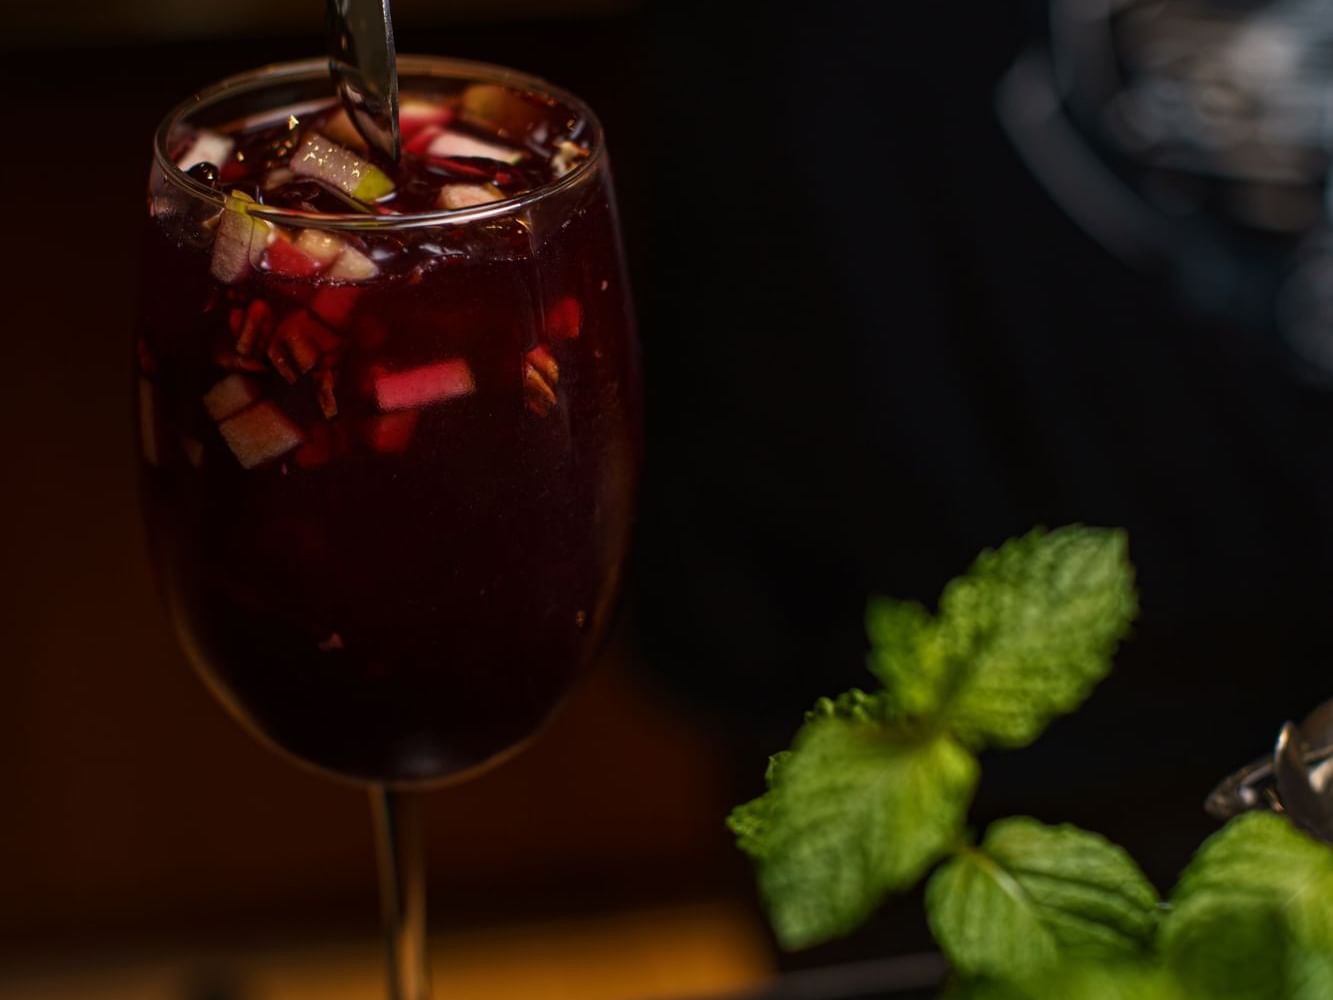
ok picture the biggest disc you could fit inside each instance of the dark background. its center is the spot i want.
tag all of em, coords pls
(872, 346)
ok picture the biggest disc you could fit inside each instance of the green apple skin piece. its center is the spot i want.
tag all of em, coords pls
(241, 239)
(335, 165)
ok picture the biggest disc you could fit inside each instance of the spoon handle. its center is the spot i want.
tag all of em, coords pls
(364, 67)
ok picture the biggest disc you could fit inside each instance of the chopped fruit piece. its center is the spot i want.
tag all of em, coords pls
(468, 195)
(276, 178)
(241, 240)
(391, 433)
(230, 396)
(415, 114)
(340, 129)
(353, 265)
(317, 449)
(540, 358)
(328, 162)
(328, 402)
(333, 305)
(451, 144)
(435, 383)
(208, 147)
(148, 435)
(253, 327)
(298, 343)
(322, 246)
(420, 142)
(567, 156)
(564, 320)
(286, 258)
(260, 434)
(229, 360)
(537, 392)
(493, 106)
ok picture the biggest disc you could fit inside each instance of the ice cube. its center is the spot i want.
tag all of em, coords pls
(449, 144)
(230, 396)
(208, 147)
(260, 434)
(437, 383)
(468, 195)
(326, 161)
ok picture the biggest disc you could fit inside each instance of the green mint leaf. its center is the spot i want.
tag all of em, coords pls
(855, 812)
(1033, 896)
(909, 656)
(1139, 980)
(1251, 917)
(1032, 627)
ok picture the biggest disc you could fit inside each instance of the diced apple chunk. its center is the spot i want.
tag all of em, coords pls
(340, 129)
(241, 240)
(415, 114)
(352, 265)
(437, 383)
(468, 195)
(230, 396)
(321, 245)
(286, 258)
(207, 147)
(326, 161)
(495, 106)
(567, 157)
(453, 144)
(260, 434)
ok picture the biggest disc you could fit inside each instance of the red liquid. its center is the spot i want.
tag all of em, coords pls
(393, 559)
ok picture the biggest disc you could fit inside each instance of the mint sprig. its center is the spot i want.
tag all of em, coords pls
(1033, 895)
(1252, 916)
(876, 787)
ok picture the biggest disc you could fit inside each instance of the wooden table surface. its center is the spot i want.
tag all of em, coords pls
(703, 949)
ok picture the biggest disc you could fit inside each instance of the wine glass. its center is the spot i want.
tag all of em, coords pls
(388, 495)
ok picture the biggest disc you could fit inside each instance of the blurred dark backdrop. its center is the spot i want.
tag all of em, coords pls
(873, 344)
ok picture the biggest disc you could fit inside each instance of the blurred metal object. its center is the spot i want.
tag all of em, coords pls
(364, 67)
(1194, 140)
(1297, 779)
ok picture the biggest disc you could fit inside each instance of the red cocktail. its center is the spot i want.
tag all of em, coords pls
(388, 411)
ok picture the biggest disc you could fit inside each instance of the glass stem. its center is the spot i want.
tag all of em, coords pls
(402, 890)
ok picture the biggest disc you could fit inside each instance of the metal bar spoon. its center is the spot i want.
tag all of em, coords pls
(364, 68)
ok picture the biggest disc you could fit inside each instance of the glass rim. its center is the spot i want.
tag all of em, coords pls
(414, 64)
